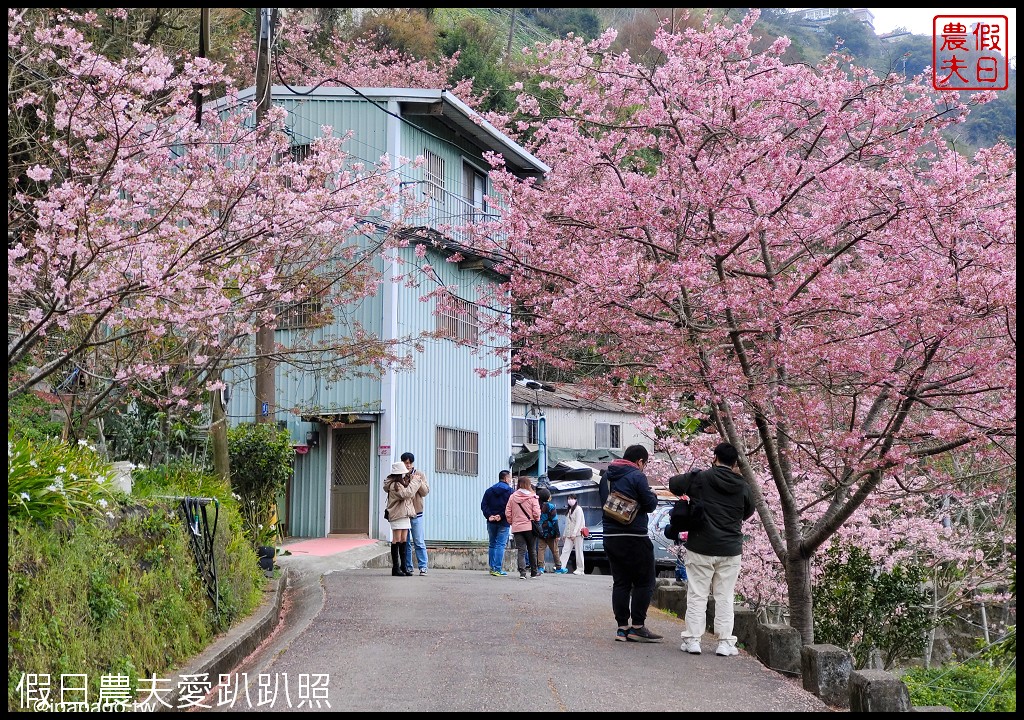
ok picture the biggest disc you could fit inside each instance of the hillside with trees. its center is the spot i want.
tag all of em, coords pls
(737, 225)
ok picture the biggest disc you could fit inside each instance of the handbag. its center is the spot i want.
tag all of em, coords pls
(585, 532)
(621, 508)
(536, 528)
(386, 516)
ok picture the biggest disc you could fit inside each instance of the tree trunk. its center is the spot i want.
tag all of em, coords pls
(801, 604)
(219, 434)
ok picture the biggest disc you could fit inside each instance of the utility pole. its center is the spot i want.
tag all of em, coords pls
(511, 34)
(204, 47)
(218, 416)
(266, 389)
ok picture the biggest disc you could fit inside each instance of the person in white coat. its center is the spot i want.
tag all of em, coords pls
(575, 523)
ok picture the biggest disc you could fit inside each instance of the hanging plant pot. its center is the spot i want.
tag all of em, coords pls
(267, 553)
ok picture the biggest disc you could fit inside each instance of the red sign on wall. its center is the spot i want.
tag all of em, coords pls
(969, 52)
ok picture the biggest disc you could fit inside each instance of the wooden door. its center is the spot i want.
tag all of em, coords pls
(350, 482)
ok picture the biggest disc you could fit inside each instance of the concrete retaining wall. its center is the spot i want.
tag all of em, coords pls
(826, 670)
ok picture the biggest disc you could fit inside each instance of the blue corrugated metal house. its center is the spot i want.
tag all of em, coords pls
(457, 423)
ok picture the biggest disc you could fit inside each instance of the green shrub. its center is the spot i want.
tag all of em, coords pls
(80, 597)
(261, 462)
(239, 577)
(123, 596)
(146, 435)
(28, 416)
(859, 607)
(50, 480)
(973, 686)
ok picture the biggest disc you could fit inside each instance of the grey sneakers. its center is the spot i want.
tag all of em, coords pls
(642, 634)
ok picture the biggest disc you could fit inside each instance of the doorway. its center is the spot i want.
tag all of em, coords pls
(350, 482)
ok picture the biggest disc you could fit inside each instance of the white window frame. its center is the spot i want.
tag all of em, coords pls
(474, 192)
(525, 430)
(433, 176)
(456, 451)
(603, 432)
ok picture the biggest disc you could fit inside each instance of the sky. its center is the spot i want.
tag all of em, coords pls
(919, 22)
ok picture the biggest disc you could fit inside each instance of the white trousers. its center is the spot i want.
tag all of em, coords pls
(710, 575)
(568, 544)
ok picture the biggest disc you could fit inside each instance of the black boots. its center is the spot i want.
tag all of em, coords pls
(405, 549)
(399, 554)
(396, 560)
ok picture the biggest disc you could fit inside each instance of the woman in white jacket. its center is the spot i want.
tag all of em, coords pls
(573, 537)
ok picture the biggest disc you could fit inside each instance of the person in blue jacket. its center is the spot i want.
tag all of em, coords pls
(629, 548)
(493, 507)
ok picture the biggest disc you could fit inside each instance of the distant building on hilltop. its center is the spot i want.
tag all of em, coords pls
(820, 16)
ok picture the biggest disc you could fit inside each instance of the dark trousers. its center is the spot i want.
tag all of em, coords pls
(526, 545)
(631, 559)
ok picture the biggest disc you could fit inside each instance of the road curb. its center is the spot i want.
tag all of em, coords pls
(227, 651)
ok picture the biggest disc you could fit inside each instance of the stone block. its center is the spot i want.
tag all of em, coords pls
(826, 673)
(121, 479)
(778, 648)
(744, 627)
(877, 691)
(671, 598)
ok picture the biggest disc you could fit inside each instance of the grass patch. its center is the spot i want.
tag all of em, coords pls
(974, 686)
(122, 596)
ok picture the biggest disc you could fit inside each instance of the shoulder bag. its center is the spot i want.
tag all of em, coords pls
(620, 508)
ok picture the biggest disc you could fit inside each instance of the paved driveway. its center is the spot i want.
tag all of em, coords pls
(459, 640)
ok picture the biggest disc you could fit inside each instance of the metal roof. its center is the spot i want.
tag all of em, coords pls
(439, 104)
(568, 396)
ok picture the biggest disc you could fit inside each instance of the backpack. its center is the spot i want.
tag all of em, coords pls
(548, 521)
(687, 514)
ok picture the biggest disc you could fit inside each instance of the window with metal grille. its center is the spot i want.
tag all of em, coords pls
(457, 320)
(458, 451)
(308, 313)
(474, 187)
(607, 436)
(524, 430)
(298, 153)
(433, 173)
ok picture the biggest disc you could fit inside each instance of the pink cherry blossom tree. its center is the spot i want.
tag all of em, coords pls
(144, 249)
(306, 57)
(791, 250)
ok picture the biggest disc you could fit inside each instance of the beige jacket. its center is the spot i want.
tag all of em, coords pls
(400, 497)
(424, 489)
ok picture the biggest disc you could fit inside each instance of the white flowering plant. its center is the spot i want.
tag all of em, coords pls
(50, 480)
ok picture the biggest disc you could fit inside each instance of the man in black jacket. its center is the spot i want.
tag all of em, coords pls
(629, 547)
(713, 549)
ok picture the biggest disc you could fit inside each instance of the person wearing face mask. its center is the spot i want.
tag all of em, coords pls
(575, 523)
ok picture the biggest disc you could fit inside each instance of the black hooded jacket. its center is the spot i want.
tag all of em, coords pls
(626, 478)
(727, 503)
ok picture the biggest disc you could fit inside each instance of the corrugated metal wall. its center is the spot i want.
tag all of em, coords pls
(307, 512)
(368, 123)
(445, 390)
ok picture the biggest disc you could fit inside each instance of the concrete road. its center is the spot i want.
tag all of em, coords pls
(460, 640)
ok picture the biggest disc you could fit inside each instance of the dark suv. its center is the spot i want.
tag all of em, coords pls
(588, 493)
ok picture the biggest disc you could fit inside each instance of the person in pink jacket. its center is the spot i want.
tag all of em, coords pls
(521, 510)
